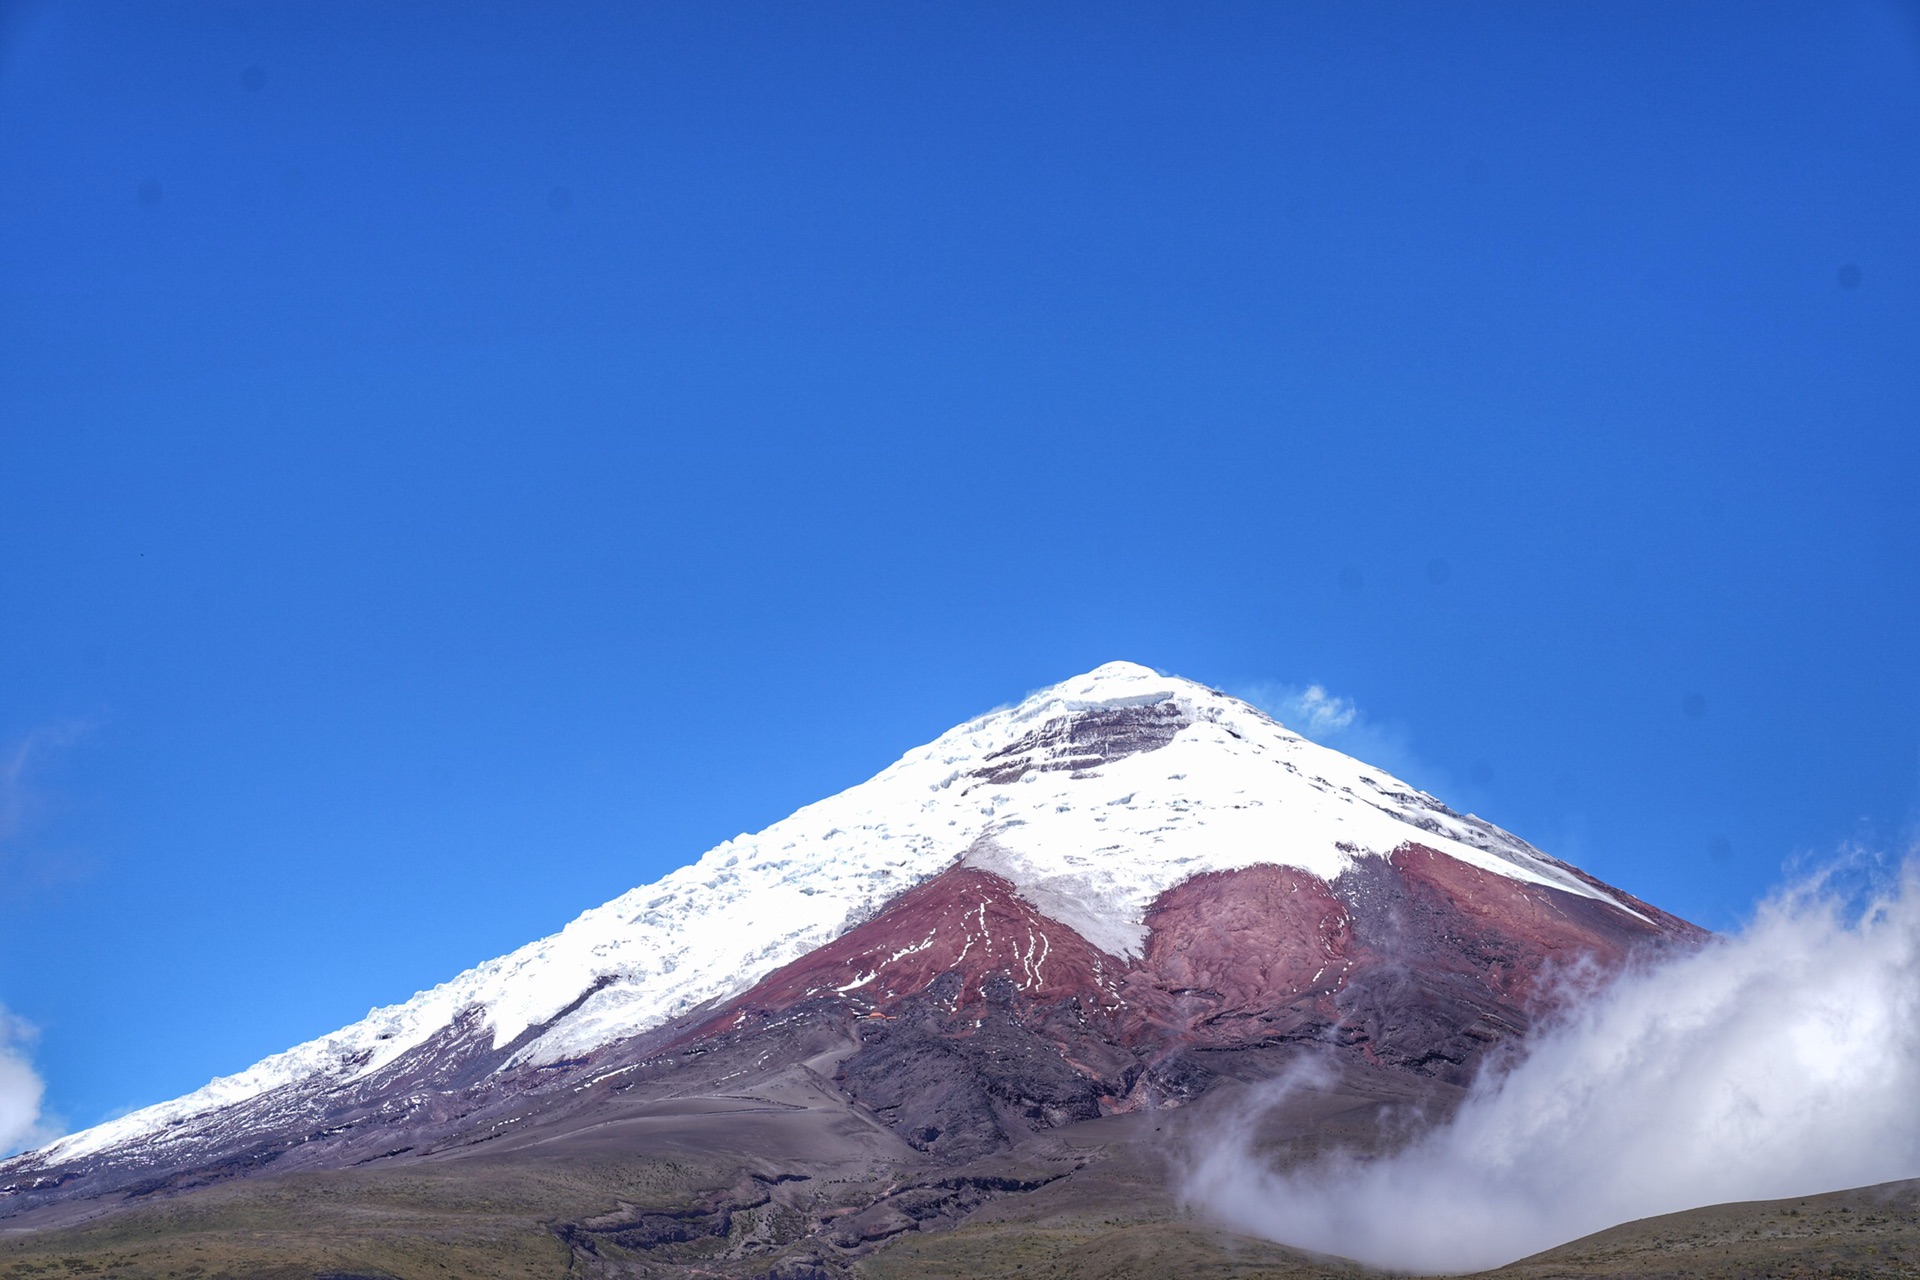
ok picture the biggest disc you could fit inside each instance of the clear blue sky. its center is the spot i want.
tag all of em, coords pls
(458, 463)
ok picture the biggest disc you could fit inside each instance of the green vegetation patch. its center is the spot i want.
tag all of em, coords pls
(464, 1218)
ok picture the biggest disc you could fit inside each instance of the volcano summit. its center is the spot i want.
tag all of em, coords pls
(965, 979)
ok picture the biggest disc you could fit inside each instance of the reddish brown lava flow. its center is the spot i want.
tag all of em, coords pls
(1235, 956)
(1509, 934)
(966, 922)
(1417, 959)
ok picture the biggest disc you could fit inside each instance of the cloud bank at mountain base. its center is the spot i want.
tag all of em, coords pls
(1780, 1061)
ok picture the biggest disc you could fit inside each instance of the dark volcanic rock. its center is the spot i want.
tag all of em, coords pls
(960, 1092)
(1084, 741)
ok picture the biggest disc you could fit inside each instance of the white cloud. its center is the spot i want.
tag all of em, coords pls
(23, 806)
(1781, 1061)
(1319, 713)
(21, 1090)
(1333, 721)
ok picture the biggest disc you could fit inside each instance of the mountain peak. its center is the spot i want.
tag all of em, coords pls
(1091, 799)
(1113, 681)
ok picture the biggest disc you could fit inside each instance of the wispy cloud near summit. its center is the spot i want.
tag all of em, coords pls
(1318, 713)
(1315, 712)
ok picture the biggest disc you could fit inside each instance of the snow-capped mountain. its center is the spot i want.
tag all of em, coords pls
(1095, 843)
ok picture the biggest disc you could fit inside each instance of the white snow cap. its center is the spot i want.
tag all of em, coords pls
(1210, 784)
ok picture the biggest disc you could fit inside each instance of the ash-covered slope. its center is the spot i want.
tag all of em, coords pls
(1133, 832)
